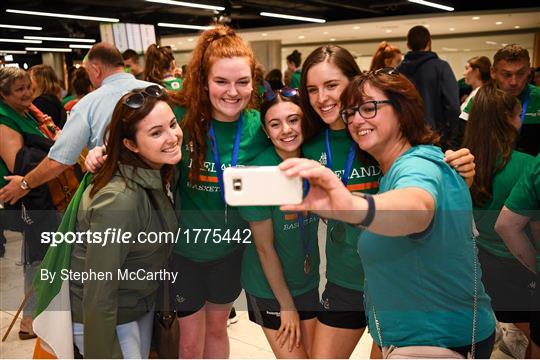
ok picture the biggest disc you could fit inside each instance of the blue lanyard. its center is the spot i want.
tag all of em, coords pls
(524, 106)
(215, 151)
(348, 164)
(306, 243)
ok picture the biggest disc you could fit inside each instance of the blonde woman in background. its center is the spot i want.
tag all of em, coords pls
(47, 93)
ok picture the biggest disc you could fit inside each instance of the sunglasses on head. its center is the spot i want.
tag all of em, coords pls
(385, 71)
(285, 92)
(137, 99)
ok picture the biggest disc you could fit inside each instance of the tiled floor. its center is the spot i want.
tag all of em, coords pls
(247, 339)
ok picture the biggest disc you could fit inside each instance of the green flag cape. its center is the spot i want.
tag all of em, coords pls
(52, 322)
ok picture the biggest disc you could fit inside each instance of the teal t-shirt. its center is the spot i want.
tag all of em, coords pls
(486, 216)
(209, 230)
(343, 265)
(530, 129)
(525, 198)
(289, 242)
(422, 287)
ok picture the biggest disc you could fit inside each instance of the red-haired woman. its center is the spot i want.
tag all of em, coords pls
(220, 131)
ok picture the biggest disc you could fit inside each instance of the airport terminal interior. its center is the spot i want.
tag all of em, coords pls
(60, 33)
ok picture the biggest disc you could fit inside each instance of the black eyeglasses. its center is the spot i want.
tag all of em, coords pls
(367, 110)
(137, 99)
(285, 92)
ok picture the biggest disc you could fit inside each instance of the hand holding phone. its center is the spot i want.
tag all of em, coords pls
(260, 186)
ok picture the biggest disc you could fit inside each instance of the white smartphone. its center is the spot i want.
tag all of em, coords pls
(260, 186)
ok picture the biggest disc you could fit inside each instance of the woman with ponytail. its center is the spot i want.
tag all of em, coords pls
(160, 67)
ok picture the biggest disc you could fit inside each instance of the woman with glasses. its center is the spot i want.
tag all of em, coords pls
(280, 269)
(112, 311)
(422, 280)
(221, 130)
(327, 71)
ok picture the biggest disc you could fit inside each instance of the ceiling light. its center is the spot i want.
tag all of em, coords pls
(264, 34)
(388, 31)
(301, 37)
(476, 17)
(292, 17)
(517, 27)
(491, 43)
(80, 46)
(48, 49)
(498, 23)
(20, 27)
(432, 4)
(190, 39)
(188, 4)
(48, 38)
(332, 39)
(12, 51)
(64, 16)
(21, 41)
(426, 25)
(452, 29)
(185, 26)
(356, 27)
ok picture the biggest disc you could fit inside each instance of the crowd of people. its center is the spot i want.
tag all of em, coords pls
(430, 201)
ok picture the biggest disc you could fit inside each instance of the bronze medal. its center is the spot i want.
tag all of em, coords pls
(307, 264)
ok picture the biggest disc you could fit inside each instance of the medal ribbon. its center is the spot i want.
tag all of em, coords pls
(234, 159)
(348, 164)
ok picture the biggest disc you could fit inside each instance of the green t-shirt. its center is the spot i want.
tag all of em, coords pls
(344, 267)
(68, 98)
(21, 124)
(172, 83)
(525, 198)
(295, 79)
(288, 242)
(204, 233)
(486, 216)
(530, 130)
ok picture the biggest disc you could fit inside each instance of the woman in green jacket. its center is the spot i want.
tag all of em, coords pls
(126, 205)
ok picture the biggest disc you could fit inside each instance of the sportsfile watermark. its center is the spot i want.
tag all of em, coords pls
(119, 236)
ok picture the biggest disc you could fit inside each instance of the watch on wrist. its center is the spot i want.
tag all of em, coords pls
(370, 214)
(24, 185)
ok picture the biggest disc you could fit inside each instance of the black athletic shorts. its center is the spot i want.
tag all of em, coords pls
(514, 291)
(266, 312)
(215, 281)
(342, 307)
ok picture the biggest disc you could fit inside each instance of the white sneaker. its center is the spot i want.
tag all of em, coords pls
(233, 319)
(513, 342)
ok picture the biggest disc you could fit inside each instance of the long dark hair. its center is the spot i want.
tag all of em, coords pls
(335, 55)
(490, 136)
(217, 43)
(124, 126)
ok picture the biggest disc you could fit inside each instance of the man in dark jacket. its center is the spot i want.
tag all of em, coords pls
(435, 82)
